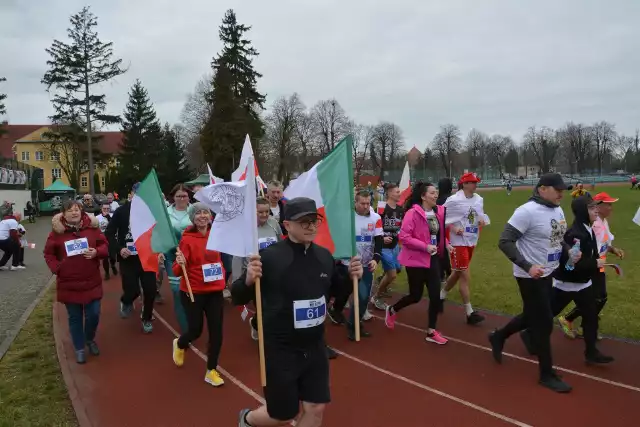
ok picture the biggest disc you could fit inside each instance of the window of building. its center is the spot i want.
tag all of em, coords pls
(56, 173)
(103, 183)
(117, 162)
(84, 182)
(25, 156)
(55, 157)
(39, 155)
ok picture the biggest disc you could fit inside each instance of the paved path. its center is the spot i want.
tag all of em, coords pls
(19, 289)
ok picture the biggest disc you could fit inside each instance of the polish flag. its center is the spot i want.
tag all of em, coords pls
(240, 174)
(214, 179)
(405, 185)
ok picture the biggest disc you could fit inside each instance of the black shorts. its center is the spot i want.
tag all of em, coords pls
(294, 376)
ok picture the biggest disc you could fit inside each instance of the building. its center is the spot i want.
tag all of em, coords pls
(28, 144)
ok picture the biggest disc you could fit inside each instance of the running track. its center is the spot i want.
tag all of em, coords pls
(394, 379)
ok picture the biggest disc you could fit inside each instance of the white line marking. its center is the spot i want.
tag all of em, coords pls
(433, 390)
(525, 359)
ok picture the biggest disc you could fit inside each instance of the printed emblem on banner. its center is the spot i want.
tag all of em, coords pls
(229, 201)
(76, 246)
(212, 272)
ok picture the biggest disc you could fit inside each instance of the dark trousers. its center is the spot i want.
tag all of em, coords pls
(11, 250)
(107, 264)
(418, 277)
(133, 277)
(211, 305)
(445, 265)
(342, 289)
(586, 302)
(537, 317)
(83, 322)
(21, 256)
(600, 293)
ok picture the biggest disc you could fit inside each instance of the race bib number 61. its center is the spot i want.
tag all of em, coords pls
(309, 313)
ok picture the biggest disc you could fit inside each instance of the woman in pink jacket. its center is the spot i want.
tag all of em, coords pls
(423, 241)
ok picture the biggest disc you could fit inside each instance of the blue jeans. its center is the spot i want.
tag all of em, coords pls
(364, 293)
(83, 322)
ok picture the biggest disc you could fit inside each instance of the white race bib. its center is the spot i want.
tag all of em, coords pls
(212, 272)
(309, 313)
(471, 229)
(553, 256)
(434, 240)
(132, 248)
(265, 242)
(76, 247)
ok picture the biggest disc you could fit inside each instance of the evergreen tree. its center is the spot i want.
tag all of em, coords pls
(141, 147)
(96, 183)
(74, 69)
(3, 110)
(235, 100)
(175, 168)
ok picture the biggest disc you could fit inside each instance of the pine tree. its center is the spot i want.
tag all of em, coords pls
(96, 183)
(175, 168)
(74, 69)
(141, 147)
(3, 109)
(236, 102)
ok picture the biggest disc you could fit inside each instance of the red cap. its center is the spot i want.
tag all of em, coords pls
(604, 198)
(469, 177)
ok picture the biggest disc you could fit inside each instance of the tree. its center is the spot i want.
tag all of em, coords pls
(3, 109)
(445, 144)
(362, 138)
(604, 134)
(477, 144)
(306, 139)
(175, 167)
(281, 146)
(75, 69)
(387, 142)
(235, 101)
(577, 139)
(497, 150)
(193, 118)
(330, 123)
(96, 183)
(544, 145)
(141, 148)
(511, 161)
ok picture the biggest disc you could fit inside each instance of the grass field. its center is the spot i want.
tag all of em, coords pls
(494, 288)
(32, 391)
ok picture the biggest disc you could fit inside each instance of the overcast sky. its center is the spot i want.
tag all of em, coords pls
(499, 66)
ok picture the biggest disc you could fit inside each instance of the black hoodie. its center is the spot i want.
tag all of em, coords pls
(445, 187)
(587, 267)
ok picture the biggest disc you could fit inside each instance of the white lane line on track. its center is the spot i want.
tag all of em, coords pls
(524, 359)
(256, 396)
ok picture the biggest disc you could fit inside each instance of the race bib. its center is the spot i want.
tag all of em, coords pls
(265, 242)
(553, 255)
(603, 249)
(434, 240)
(471, 229)
(309, 313)
(76, 247)
(364, 239)
(132, 248)
(212, 272)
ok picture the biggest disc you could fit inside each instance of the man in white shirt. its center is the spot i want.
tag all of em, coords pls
(113, 205)
(533, 240)
(10, 242)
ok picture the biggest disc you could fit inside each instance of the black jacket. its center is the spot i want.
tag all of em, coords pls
(281, 219)
(290, 273)
(587, 267)
(119, 230)
(445, 187)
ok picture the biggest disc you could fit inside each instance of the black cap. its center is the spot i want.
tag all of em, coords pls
(298, 207)
(553, 180)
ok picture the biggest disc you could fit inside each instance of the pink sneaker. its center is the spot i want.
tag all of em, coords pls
(435, 337)
(390, 319)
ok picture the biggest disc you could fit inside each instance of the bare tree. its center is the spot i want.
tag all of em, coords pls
(308, 141)
(543, 144)
(577, 141)
(477, 143)
(387, 142)
(330, 122)
(362, 138)
(445, 144)
(193, 117)
(497, 150)
(604, 134)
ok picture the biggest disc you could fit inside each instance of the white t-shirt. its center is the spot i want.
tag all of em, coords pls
(367, 227)
(276, 212)
(464, 212)
(6, 225)
(103, 222)
(543, 230)
(113, 206)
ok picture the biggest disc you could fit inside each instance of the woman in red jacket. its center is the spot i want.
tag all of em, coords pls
(73, 252)
(206, 277)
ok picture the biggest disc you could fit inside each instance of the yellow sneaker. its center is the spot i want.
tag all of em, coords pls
(213, 378)
(178, 354)
(567, 327)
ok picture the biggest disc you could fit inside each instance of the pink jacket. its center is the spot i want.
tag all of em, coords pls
(415, 236)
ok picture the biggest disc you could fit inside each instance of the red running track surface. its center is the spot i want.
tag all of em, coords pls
(393, 379)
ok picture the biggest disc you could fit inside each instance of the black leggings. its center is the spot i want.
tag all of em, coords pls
(210, 304)
(586, 302)
(418, 277)
(445, 263)
(341, 289)
(600, 293)
(133, 277)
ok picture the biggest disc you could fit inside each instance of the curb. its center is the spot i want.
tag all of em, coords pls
(13, 333)
(74, 395)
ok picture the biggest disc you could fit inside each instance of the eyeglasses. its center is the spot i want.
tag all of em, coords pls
(307, 223)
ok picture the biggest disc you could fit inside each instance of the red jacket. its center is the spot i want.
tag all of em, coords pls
(78, 279)
(193, 246)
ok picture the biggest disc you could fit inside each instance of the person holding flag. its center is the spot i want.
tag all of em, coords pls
(296, 275)
(205, 274)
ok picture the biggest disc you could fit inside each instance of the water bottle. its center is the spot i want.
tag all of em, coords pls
(572, 252)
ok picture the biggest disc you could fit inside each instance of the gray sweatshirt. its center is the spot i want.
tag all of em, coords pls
(268, 234)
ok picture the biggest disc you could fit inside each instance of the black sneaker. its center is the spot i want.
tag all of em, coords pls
(336, 317)
(497, 345)
(525, 336)
(93, 348)
(331, 354)
(472, 319)
(351, 333)
(553, 382)
(114, 270)
(598, 358)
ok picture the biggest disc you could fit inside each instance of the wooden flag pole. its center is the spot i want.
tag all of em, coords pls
(263, 373)
(186, 278)
(356, 308)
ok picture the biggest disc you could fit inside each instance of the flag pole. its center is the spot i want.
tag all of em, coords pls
(356, 308)
(186, 278)
(263, 373)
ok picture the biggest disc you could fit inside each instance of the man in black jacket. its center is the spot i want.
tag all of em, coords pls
(296, 277)
(133, 276)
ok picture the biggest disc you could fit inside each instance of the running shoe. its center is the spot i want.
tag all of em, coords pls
(254, 329)
(474, 318)
(351, 332)
(153, 317)
(497, 344)
(567, 327)
(125, 310)
(147, 326)
(178, 354)
(213, 377)
(93, 348)
(436, 338)
(81, 357)
(598, 358)
(226, 293)
(337, 317)
(242, 418)
(379, 304)
(553, 382)
(390, 318)
(367, 315)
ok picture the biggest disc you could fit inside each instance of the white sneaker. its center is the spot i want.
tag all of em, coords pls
(12, 268)
(367, 315)
(4, 268)
(226, 293)
(21, 267)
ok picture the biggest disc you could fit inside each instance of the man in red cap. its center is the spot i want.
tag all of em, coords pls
(604, 238)
(464, 218)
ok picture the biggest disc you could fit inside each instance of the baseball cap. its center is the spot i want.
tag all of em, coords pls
(553, 180)
(604, 198)
(298, 207)
(469, 177)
